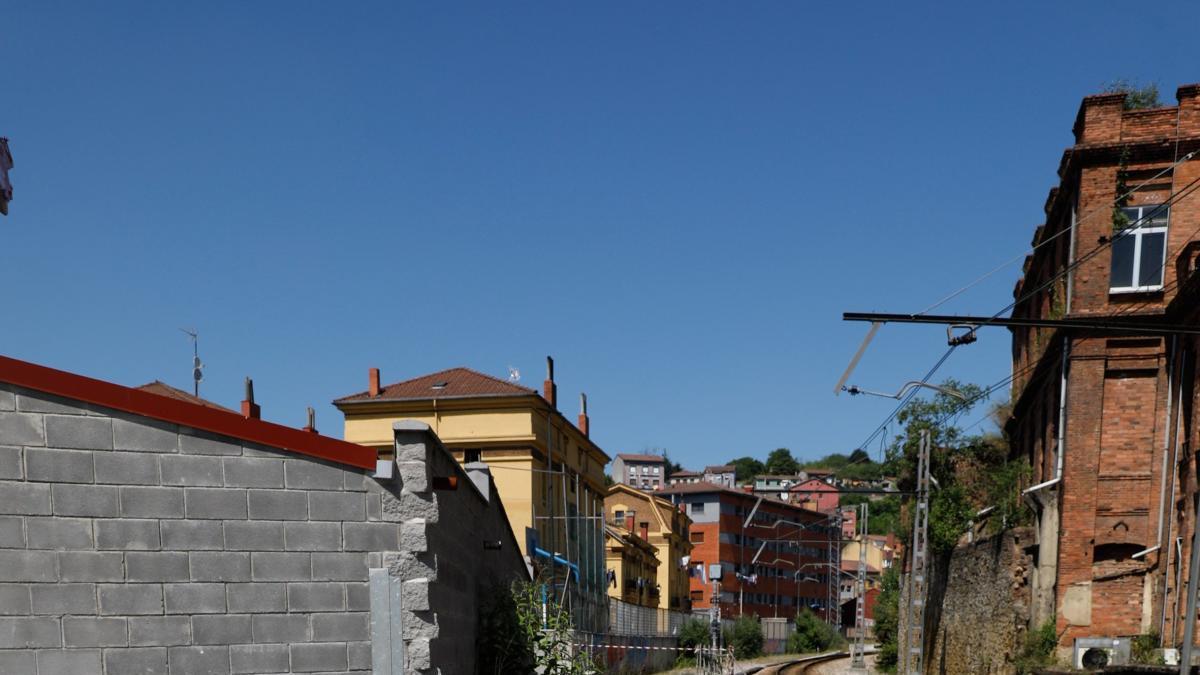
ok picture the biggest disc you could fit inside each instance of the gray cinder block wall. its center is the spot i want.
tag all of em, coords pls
(129, 546)
(456, 548)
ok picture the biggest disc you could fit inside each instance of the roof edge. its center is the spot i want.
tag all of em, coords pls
(155, 406)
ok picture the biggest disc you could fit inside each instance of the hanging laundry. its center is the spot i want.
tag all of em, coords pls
(6, 163)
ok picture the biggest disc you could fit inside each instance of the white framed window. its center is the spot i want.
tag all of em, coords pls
(1139, 254)
(656, 471)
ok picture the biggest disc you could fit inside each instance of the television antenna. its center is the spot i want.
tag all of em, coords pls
(197, 366)
(514, 374)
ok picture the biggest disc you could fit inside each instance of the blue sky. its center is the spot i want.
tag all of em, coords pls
(677, 201)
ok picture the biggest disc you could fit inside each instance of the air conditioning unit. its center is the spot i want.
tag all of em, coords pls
(1095, 653)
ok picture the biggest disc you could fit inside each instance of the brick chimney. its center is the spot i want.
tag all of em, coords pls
(630, 517)
(1099, 118)
(311, 427)
(583, 416)
(250, 409)
(549, 389)
(644, 531)
(373, 387)
(1189, 109)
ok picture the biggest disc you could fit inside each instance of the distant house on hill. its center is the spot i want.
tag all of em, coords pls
(723, 475)
(777, 486)
(685, 477)
(646, 472)
(815, 494)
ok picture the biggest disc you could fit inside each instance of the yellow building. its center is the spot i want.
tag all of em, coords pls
(666, 528)
(881, 552)
(548, 473)
(633, 566)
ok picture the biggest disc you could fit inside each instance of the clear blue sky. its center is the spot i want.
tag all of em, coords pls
(676, 200)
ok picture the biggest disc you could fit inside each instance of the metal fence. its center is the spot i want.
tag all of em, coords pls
(629, 619)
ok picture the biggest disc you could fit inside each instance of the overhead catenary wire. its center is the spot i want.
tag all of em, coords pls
(962, 407)
(1187, 190)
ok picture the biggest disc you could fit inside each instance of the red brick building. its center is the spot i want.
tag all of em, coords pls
(1097, 412)
(794, 542)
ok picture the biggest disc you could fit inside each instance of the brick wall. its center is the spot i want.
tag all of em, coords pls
(1114, 499)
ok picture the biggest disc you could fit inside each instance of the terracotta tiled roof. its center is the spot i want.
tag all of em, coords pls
(164, 389)
(452, 383)
(724, 468)
(685, 473)
(703, 487)
(639, 458)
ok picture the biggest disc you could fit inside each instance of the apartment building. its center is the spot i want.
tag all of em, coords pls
(774, 556)
(547, 470)
(663, 526)
(645, 472)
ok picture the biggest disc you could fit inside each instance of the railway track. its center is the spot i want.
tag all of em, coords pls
(802, 665)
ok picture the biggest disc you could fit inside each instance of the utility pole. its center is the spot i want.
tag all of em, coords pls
(858, 649)
(914, 637)
(715, 616)
(1189, 625)
(833, 600)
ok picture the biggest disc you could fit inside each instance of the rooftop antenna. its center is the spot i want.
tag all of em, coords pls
(514, 375)
(197, 366)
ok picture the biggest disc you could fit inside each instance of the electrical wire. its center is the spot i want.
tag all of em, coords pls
(1174, 198)
(1056, 235)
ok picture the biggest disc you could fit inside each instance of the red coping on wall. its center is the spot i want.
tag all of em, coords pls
(117, 397)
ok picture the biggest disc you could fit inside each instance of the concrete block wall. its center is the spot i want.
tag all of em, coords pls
(456, 547)
(132, 546)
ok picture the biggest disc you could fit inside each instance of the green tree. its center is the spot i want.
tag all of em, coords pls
(745, 636)
(887, 619)
(1137, 96)
(781, 463)
(694, 633)
(811, 634)
(672, 467)
(746, 468)
(859, 455)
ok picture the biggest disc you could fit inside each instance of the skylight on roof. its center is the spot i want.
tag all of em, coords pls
(439, 385)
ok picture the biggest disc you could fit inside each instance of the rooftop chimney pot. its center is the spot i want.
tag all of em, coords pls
(250, 409)
(549, 389)
(373, 377)
(584, 422)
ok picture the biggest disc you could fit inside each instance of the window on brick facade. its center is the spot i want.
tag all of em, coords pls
(697, 537)
(1139, 253)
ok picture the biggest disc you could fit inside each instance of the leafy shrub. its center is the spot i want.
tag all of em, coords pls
(745, 637)
(1137, 97)
(1143, 648)
(1038, 649)
(694, 633)
(811, 634)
